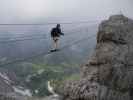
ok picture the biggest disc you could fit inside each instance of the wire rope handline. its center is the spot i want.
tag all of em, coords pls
(22, 36)
(25, 39)
(78, 22)
(45, 53)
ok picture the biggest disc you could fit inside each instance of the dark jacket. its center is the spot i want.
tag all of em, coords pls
(56, 32)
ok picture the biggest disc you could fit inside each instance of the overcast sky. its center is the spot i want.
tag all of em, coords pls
(36, 11)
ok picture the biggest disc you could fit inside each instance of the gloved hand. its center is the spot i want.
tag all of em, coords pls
(62, 34)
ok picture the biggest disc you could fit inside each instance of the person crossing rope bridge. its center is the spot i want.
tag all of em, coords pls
(55, 34)
(45, 53)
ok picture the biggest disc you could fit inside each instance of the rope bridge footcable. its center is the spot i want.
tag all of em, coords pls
(45, 53)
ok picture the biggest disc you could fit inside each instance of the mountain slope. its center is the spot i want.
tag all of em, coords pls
(108, 73)
(10, 88)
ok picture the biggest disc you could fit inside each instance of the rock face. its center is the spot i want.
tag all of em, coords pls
(8, 80)
(108, 75)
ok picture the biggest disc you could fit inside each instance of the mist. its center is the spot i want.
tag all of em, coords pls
(41, 11)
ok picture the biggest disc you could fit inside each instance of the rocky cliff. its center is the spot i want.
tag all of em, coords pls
(9, 86)
(108, 74)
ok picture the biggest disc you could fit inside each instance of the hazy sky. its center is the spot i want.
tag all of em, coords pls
(36, 11)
